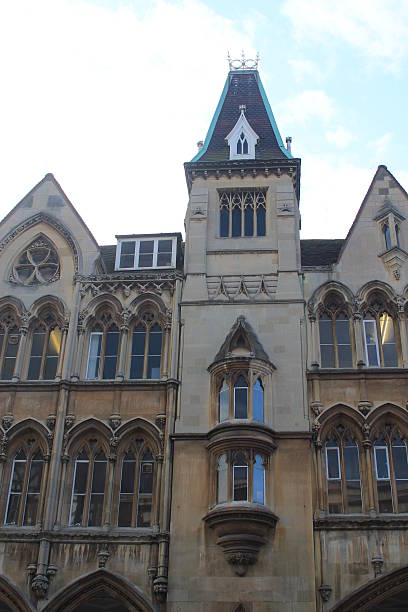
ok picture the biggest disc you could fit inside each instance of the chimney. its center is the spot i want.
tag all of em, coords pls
(200, 144)
(289, 144)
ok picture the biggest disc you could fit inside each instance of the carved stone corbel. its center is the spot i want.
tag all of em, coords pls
(115, 421)
(377, 562)
(7, 421)
(103, 556)
(325, 591)
(160, 588)
(51, 420)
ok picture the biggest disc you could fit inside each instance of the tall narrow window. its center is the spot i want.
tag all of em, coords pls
(103, 349)
(380, 341)
(9, 343)
(136, 490)
(240, 477)
(343, 474)
(147, 340)
(224, 220)
(397, 234)
(326, 341)
(259, 480)
(352, 476)
(88, 488)
(222, 479)
(236, 221)
(224, 401)
(258, 401)
(45, 350)
(241, 398)
(333, 472)
(400, 461)
(387, 236)
(382, 470)
(25, 488)
(335, 341)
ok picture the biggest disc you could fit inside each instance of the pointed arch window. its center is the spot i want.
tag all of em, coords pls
(38, 264)
(335, 339)
(136, 489)
(45, 349)
(103, 349)
(242, 145)
(343, 474)
(25, 486)
(240, 477)
(242, 213)
(88, 487)
(238, 399)
(241, 398)
(9, 344)
(146, 348)
(391, 472)
(387, 236)
(380, 339)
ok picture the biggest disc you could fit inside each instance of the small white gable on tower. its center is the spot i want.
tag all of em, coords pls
(242, 138)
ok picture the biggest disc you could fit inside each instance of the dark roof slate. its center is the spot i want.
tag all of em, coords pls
(256, 347)
(320, 252)
(243, 88)
(108, 254)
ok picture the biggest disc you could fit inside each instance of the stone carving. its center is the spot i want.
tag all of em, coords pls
(51, 420)
(378, 563)
(38, 264)
(3, 447)
(103, 556)
(7, 421)
(316, 407)
(325, 591)
(39, 586)
(364, 407)
(254, 287)
(115, 421)
(69, 421)
(161, 421)
(129, 283)
(160, 588)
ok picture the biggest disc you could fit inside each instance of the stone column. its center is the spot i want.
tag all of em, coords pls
(44, 489)
(58, 374)
(318, 450)
(167, 329)
(64, 462)
(78, 358)
(402, 321)
(159, 468)
(314, 357)
(20, 354)
(69, 357)
(358, 332)
(123, 352)
(111, 472)
(367, 444)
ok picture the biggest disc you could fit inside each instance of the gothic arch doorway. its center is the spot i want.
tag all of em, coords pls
(97, 591)
(386, 594)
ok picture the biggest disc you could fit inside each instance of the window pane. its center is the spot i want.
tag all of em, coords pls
(127, 491)
(259, 481)
(326, 342)
(352, 473)
(333, 463)
(99, 473)
(37, 344)
(370, 335)
(240, 473)
(381, 462)
(402, 495)
(146, 477)
(146, 253)
(354, 496)
(224, 222)
(343, 343)
(155, 346)
(34, 368)
(111, 353)
(335, 497)
(52, 354)
(384, 496)
(260, 221)
(241, 403)
(258, 402)
(224, 402)
(138, 349)
(399, 455)
(144, 511)
(77, 509)
(94, 355)
(136, 367)
(144, 508)
(345, 356)
(222, 479)
(128, 476)
(127, 254)
(95, 510)
(236, 221)
(388, 341)
(10, 353)
(13, 509)
(30, 513)
(17, 483)
(125, 510)
(81, 476)
(165, 251)
(351, 462)
(249, 221)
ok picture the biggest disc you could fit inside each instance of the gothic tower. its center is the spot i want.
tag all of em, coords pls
(242, 430)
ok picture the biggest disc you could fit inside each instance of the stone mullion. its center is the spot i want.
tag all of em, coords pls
(314, 342)
(58, 374)
(358, 333)
(367, 444)
(68, 365)
(20, 354)
(319, 468)
(159, 464)
(64, 461)
(402, 322)
(123, 350)
(109, 494)
(165, 349)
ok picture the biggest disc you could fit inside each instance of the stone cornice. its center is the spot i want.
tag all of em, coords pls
(90, 385)
(357, 373)
(362, 522)
(83, 536)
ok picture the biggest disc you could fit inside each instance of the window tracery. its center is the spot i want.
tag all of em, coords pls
(38, 264)
(103, 348)
(335, 334)
(242, 213)
(88, 486)
(241, 396)
(146, 348)
(25, 485)
(9, 344)
(343, 472)
(46, 338)
(240, 477)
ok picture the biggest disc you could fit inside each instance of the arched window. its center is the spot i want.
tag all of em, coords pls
(397, 234)
(25, 486)
(242, 145)
(103, 349)
(136, 489)
(224, 401)
(146, 349)
(241, 398)
(391, 471)
(343, 474)
(88, 487)
(258, 401)
(335, 337)
(45, 349)
(9, 343)
(242, 213)
(380, 339)
(387, 236)
(240, 477)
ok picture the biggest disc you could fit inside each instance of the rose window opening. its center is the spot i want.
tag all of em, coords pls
(38, 264)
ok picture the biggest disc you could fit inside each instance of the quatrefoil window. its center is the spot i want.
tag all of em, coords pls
(38, 264)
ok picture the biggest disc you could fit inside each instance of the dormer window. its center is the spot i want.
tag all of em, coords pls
(146, 253)
(242, 139)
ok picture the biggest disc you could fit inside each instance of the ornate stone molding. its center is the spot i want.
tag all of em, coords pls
(103, 557)
(7, 421)
(160, 588)
(251, 287)
(115, 421)
(241, 530)
(325, 591)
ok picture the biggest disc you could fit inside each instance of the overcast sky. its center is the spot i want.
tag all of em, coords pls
(112, 96)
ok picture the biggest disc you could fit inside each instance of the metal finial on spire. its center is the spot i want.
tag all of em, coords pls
(243, 63)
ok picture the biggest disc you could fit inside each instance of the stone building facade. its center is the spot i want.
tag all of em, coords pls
(218, 425)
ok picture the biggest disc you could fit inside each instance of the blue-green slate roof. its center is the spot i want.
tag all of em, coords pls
(243, 87)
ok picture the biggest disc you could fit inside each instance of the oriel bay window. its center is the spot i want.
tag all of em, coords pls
(103, 348)
(146, 349)
(242, 212)
(136, 489)
(45, 350)
(88, 487)
(24, 493)
(380, 340)
(241, 397)
(240, 477)
(343, 474)
(391, 473)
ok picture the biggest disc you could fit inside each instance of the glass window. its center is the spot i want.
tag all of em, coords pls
(127, 488)
(371, 343)
(222, 479)
(88, 489)
(147, 340)
(400, 461)
(10, 345)
(388, 342)
(240, 478)
(380, 341)
(104, 342)
(45, 350)
(249, 221)
(143, 253)
(138, 351)
(241, 398)
(387, 236)
(382, 469)
(352, 476)
(145, 498)
(111, 352)
(94, 355)
(259, 480)
(79, 489)
(243, 212)
(136, 510)
(25, 488)
(326, 342)
(343, 342)
(333, 472)
(154, 355)
(127, 254)
(224, 402)
(146, 251)
(224, 222)
(258, 401)
(97, 490)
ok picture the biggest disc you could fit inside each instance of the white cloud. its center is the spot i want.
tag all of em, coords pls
(309, 104)
(380, 145)
(305, 69)
(340, 137)
(376, 28)
(112, 101)
(332, 191)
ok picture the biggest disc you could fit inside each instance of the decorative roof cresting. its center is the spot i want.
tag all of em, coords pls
(243, 63)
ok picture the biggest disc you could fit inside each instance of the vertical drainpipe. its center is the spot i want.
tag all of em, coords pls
(160, 582)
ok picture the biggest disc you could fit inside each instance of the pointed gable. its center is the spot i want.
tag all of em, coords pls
(240, 340)
(243, 88)
(242, 139)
